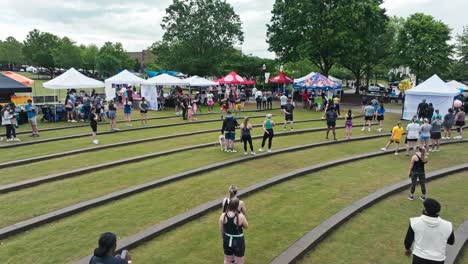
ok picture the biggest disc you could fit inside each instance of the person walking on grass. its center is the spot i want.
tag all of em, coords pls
(331, 117)
(144, 111)
(7, 121)
(233, 194)
(229, 130)
(460, 123)
(412, 134)
(231, 225)
(429, 234)
(380, 116)
(283, 101)
(268, 125)
(210, 101)
(128, 112)
(435, 134)
(417, 173)
(104, 253)
(336, 102)
(93, 118)
(31, 112)
(112, 114)
(349, 124)
(288, 110)
(375, 104)
(397, 134)
(447, 124)
(246, 137)
(425, 135)
(369, 112)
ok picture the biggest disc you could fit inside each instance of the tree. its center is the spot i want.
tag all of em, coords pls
(458, 68)
(304, 29)
(461, 47)
(38, 49)
(67, 54)
(422, 45)
(89, 56)
(112, 58)
(11, 52)
(197, 35)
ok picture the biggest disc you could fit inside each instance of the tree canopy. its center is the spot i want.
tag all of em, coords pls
(197, 34)
(11, 51)
(39, 49)
(111, 58)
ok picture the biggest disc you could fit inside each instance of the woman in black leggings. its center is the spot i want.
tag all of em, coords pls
(245, 135)
(268, 128)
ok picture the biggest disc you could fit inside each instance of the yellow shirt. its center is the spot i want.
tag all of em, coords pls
(397, 133)
(336, 100)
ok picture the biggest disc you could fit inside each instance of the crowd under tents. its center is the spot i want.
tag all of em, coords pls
(434, 91)
(122, 78)
(149, 88)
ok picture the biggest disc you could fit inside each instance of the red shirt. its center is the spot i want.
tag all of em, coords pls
(305, 97)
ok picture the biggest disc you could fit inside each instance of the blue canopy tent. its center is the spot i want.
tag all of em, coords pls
(151, 74)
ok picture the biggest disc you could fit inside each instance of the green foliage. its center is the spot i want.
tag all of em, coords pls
(89, 57)
(111, 58)
(422, 45)
(38, 49)
(245, 65)
(461, 47)
(197, 35)
(67, 54)
(299, 68)
(11, 51)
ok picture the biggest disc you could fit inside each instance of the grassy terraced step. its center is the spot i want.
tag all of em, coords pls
(282, 214)
(377, 233)
(52, 216)
(68, 239)
(332, 224)
(24, 204)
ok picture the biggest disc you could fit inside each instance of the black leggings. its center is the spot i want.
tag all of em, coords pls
(10, 131)
(259, 103)
(270, 103)
(246, 139)
(268, 135)
(422, 180)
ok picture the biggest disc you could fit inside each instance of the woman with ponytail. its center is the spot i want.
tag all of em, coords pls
(232, 195)
(417, 172)
(231, 225)
(104, 253)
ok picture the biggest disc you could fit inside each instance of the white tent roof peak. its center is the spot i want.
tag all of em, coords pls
(456, 85)
(165, 79)
(433, 86)
(125, 77)
(72, 79)
(199, 81)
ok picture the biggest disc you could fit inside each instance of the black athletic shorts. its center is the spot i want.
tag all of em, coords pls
(460, 123)
(435, 135)
(380, 118)
(411, 139)
(289, 117)
(237, 247)
(368, 118)
(331, 123)
(94, 127)
(143, 111)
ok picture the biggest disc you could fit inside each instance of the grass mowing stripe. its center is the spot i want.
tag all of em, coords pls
(27, 203)
(31, 176)
(69, 238)
(312, 238)
(55, 215)
(377, 233)
(282, 214)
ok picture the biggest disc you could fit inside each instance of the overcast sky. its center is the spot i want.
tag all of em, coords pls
(136, 23)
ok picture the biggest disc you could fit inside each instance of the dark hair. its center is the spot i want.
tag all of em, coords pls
(432, 207)
(450, 110)
(107, 241)
(143, 99)
(29, 101)
(233, 205)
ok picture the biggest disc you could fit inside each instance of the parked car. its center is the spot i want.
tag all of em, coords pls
(376, 87)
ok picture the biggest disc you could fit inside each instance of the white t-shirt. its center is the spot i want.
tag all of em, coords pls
(412, 131)
(258, 94)
(209, 97)
(283, 99)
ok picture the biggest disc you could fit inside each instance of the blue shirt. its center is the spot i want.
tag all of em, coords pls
(30, 114)
(380, 111)
(369, 110)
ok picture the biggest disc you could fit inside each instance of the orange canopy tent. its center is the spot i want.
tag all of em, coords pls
(19, 78)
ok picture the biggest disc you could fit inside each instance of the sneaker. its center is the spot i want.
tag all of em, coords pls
(95, 141)
(422, 198)
(228, 150)
(410, 197)
(437, 150)
(396, 153)
(17, 140)
(233, 150)
(252, 153)
(379, 130)
(368, 129)
(443, 138)
(74, 121)
(335, 139)
(383, 149)
(363, 129)
(69, 121)
(260, 150)
(269, 151)
(1, 138)
(9, 140)
(116, 129)
(447, 138)
(245, 153)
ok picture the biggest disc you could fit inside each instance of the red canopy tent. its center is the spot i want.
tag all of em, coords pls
(281, 78)
(234, 78)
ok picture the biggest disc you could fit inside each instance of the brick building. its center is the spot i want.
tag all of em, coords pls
(144, 57)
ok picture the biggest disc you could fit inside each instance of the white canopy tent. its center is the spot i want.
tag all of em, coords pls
(434, 91)
(335, 79)
(198, 81)
(149, 87)
(72, 79)
(304, 78)
(456, 85)
(123, 77)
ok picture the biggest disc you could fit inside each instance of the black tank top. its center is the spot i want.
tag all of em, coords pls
(230, 227)
(418, 166)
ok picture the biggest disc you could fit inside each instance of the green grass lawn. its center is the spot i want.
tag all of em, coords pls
(284, 213)
(315, 199)
(377, 233)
